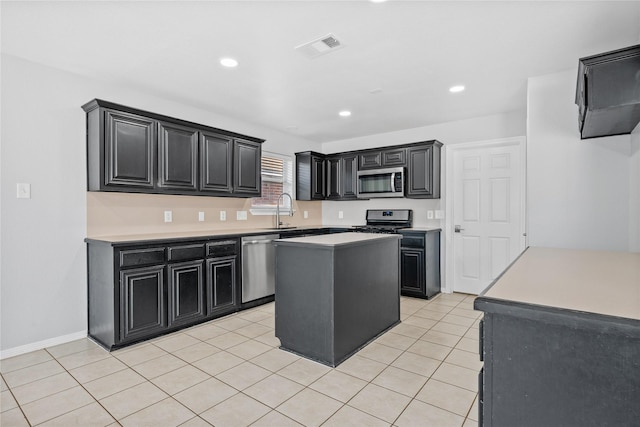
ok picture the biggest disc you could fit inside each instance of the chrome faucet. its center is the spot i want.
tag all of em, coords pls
(278, 223)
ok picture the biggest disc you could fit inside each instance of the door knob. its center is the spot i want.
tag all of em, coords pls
(457, 228)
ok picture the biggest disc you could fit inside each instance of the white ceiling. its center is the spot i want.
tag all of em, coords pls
(412, 50)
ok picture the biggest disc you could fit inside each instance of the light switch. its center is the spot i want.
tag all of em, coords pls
(223, 215)
(340, 214)
(168, 216)
(200, 216)
(306, 214)
(24, 191)
(241, 215)
(439, 214)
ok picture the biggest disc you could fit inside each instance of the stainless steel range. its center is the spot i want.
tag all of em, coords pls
(386, 221)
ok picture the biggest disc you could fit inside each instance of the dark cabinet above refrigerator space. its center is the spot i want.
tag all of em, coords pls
(608, 93)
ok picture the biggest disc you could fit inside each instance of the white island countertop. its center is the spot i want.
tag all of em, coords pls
(599, 282)
(337, 239)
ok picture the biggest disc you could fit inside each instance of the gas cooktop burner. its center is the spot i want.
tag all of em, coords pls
(386, 221)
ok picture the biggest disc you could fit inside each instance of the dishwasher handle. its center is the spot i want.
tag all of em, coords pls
(256, 242)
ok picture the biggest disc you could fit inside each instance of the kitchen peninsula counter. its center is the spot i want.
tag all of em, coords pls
(560, 340)
(335, 293)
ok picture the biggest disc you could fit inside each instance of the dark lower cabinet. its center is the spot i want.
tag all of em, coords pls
(140, 290)
(143, 302)
(186, 292)
(221, 284)
(420, 263)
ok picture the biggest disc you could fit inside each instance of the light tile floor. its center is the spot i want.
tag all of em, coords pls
(230, 372)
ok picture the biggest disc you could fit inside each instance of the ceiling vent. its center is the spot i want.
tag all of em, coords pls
(321, 46)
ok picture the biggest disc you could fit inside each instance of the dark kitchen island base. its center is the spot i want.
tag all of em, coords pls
(335, 293)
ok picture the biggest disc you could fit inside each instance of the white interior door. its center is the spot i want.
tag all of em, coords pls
(488, 212)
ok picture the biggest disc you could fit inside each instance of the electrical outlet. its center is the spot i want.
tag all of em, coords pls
(24, 191)
(439, 214)
(223, 215)
(306, 214)
(200, 216)
(168, 216)
(340, 214)
(429, 214)
(241, 215)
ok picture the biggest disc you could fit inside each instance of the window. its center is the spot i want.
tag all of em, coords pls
(277, 178)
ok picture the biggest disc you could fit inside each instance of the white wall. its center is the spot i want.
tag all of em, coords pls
(578, 190)
(43, 265)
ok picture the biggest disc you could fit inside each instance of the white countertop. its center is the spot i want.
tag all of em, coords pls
(337, 239)
(598, 282)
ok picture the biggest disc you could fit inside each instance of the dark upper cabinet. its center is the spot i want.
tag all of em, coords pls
(608, 93)
(186, 292)
(247, 179)
(370, 160)
(385, 158)
(334, 181)
(349, 178)
(423, 171)
(129, 151)
(177, 157)
(216, 160)
(310, 176)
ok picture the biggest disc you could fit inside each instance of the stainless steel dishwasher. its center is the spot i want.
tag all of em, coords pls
(258, 267)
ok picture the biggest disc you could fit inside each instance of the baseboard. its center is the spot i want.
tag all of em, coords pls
(16, 351)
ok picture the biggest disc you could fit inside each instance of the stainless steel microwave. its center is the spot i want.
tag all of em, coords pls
(380, 183)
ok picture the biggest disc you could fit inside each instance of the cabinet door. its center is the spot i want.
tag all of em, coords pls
(129, 150)
(370, 160)
(334, 184)
(247, 168)
(349, 176)
(412, 278)
(395, 157)
(215, 162)
(142, 302)
(186, 292)
(317, 178)
(423, 172)
(221, 285)
(177, 157)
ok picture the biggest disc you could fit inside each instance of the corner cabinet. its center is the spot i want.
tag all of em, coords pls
(140, 290)
(131, 150)
(420, 263)
(310, 176)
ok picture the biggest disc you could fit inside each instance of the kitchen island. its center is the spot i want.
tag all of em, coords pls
(560, 340)
(335, 293)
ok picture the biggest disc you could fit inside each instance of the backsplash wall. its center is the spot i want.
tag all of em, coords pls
(110, 214)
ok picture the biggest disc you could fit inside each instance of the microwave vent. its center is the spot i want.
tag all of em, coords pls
(320, 46)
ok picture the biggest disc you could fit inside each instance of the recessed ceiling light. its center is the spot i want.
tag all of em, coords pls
(456, 89)
(345, 113)
(229, 62)
(377, 1)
